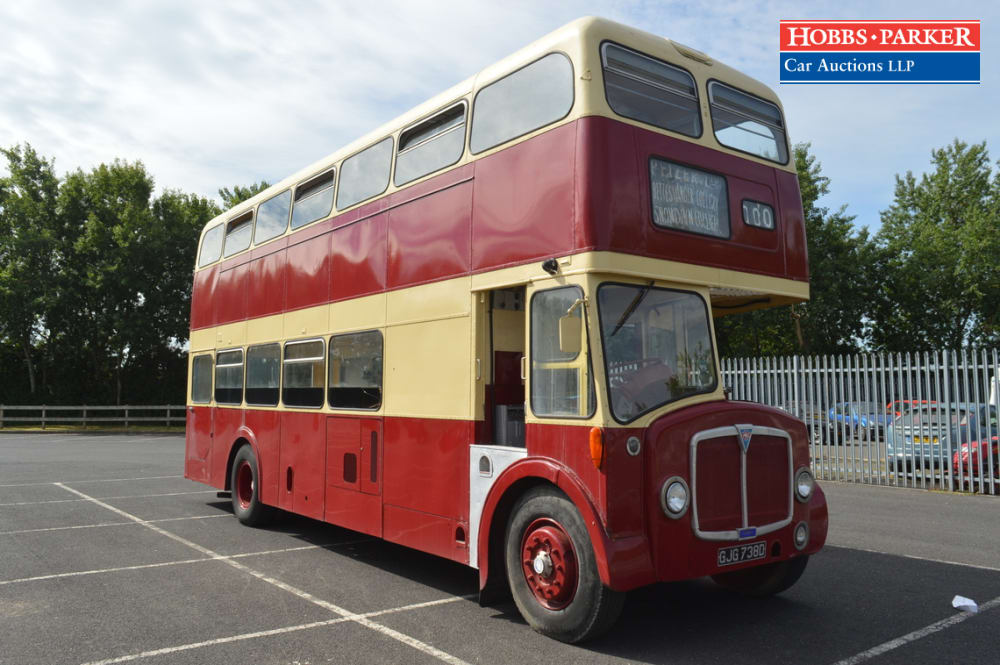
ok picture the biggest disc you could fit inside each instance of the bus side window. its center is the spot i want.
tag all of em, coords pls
(211, 246)
(229, 377)
(272, 217)
(304, 375)
(201, 379)
(263, 373)
(558, 378)
(528, 99)
(313, 199)
(356, 371)
(431, 145)
(365, 174)
(238, 232)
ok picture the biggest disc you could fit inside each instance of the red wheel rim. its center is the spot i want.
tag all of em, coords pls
(244, 484)
(549, 563)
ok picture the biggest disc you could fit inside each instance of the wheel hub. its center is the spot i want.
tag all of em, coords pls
(549, 563)
(244, 485)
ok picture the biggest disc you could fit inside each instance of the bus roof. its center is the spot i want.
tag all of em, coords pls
(580, 39)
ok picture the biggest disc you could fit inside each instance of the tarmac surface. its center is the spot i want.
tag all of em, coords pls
(108, 555)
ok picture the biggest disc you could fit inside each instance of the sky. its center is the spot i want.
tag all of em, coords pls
(217, 93)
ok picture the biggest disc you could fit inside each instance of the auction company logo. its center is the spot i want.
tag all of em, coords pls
(814, 51)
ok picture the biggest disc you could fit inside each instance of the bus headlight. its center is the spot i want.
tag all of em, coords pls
(674, 497)
(804, 485)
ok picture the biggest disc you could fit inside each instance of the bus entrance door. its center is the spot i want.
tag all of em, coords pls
(354, 473)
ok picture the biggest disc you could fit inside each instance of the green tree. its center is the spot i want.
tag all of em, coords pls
(833, 319)
(240, 193)
(939, 281)
(28, 199)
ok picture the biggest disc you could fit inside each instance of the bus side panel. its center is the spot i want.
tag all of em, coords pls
(608, 187)
(358, 259)
(524, 202)
(307, 273)
(790, 200)
(426, 463)
(227, 423)
(429, 237)
(428, 533)
(202, 294)
(302, 473)
(570, 446)
(197, 443)
(267, 285)
(266, 428)
(231, 295)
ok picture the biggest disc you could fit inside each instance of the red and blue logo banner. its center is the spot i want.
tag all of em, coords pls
(820, 51)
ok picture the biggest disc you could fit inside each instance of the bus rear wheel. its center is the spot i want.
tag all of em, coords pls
(552, 570)
(245, 486)
(765, 580)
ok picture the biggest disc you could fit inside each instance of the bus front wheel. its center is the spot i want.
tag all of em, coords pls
(765, 580)
(245, 485)
(552, 570)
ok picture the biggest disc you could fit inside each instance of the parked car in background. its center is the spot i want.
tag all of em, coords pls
(967, 459)
(901, 406)
(808, 412)
(857, 419)
(928, 434)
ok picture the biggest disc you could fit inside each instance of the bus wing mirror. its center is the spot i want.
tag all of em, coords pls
(570, 329)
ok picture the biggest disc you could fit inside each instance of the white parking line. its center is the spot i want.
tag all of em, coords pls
(103, 524)
(273, 631)
(917, 634)
(96, 480)
(346, 614)
(108, 498)
(163, 564)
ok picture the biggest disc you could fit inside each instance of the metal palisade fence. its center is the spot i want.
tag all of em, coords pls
(925, 420)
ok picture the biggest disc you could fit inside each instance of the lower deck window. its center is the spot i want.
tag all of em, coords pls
(229, 377)
(303, 374)
(201, 379)
(356, 371)
(263, 374)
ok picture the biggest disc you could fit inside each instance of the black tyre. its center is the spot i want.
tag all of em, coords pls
(552, 570)
(245, 487)
(765, 580)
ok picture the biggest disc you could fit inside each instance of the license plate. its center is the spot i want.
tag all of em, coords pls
(740, 553)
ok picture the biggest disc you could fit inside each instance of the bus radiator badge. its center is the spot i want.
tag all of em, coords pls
(746, 432)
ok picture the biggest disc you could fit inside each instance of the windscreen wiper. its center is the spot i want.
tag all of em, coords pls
(631, 308)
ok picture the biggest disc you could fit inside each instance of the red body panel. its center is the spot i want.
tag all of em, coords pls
(358, 258)
(198, 443)
(231, 294)
(302, 459)
(427, 465)
(307, 273)
(227, 422)
(266, 290)
(263, 429)
(429, 237)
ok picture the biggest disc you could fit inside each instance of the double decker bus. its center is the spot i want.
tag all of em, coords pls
(485, 331)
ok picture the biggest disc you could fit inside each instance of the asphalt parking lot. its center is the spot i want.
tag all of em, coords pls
(108, 555)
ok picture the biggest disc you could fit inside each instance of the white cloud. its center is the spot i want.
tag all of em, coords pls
(221, 93)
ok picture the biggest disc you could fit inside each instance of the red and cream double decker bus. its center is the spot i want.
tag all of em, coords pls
(485, 331)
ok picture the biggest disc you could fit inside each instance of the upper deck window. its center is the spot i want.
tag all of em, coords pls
(431, 145)
(313, 199)
(272, 217)
(521, 102)
(747, 123)
(648, 90)
(365, 174)
(238, 233)
(211, 246)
